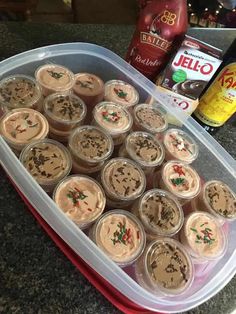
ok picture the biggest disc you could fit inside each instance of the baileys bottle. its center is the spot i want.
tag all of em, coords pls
(159, 31)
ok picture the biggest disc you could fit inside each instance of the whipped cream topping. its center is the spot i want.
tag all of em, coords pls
(203, 235)
(119, 236)
(112, 117)
(88, 84)
(180, 145)
(181, 179)
(80, 198)
(55, 77)
(21, 126)
(121, 93)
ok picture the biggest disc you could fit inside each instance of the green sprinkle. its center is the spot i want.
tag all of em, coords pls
(193, 229)
(178, 181)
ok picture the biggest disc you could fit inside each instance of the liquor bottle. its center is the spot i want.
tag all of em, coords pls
(160, 28)
(221, 111)
(218, 103)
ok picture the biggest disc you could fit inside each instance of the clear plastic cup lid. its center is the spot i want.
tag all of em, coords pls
(145, 149)
(64, 107)
(19, 91)
(219, 199)
(203, 236)
(120, 235)
(88, 84)
(160, 213)
(150, 118)
(112, 117)
(91, 144)
(181, 179)
(55, 77)
(81, 198)
(181, 145)
(123, 179)
(48, 161)
(121, 93)
(22, 126)
(168, 266)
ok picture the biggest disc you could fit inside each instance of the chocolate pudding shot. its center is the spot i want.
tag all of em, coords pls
(203, 237)
(21, 126)
(121, 93)
(143, 148)
(81, 198)
(64, 112)
(89, 87)
(114, 119)
(123, 181)
(47, 161)
(180, 179)
(217, 199)
(90, 147)
(20, 91)
(119, 235)
(149, 118)
(165, 268)
(54, 78)
(179, 145)
(160, 213)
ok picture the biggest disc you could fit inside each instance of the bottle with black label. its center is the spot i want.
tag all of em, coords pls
(218, 103)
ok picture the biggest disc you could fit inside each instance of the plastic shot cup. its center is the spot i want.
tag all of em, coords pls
(160, 213)
(143, 148)
(20, 91)
(149, 118)
(81, 198)
(165, 268)
(19, 127)
(179, 145)
(203, 237)
(122, 93)
(123, 181)
(47, 161)
(218, 199)
(114, 119)
(54, 78)
(180, 179)
(120, 235)
(90, 88)
(90, 147)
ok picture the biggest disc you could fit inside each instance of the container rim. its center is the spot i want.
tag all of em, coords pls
(77, 240)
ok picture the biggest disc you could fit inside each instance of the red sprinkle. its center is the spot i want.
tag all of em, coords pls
(89, 209)
(178, 169)
(138, 234)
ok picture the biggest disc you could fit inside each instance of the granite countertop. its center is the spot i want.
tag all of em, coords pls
(35, 276)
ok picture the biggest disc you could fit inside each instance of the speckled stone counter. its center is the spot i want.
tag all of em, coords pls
(35, 277)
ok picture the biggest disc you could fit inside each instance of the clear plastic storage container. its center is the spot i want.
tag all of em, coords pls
(213, 162)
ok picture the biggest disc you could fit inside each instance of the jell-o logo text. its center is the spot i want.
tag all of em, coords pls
(194, 65)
